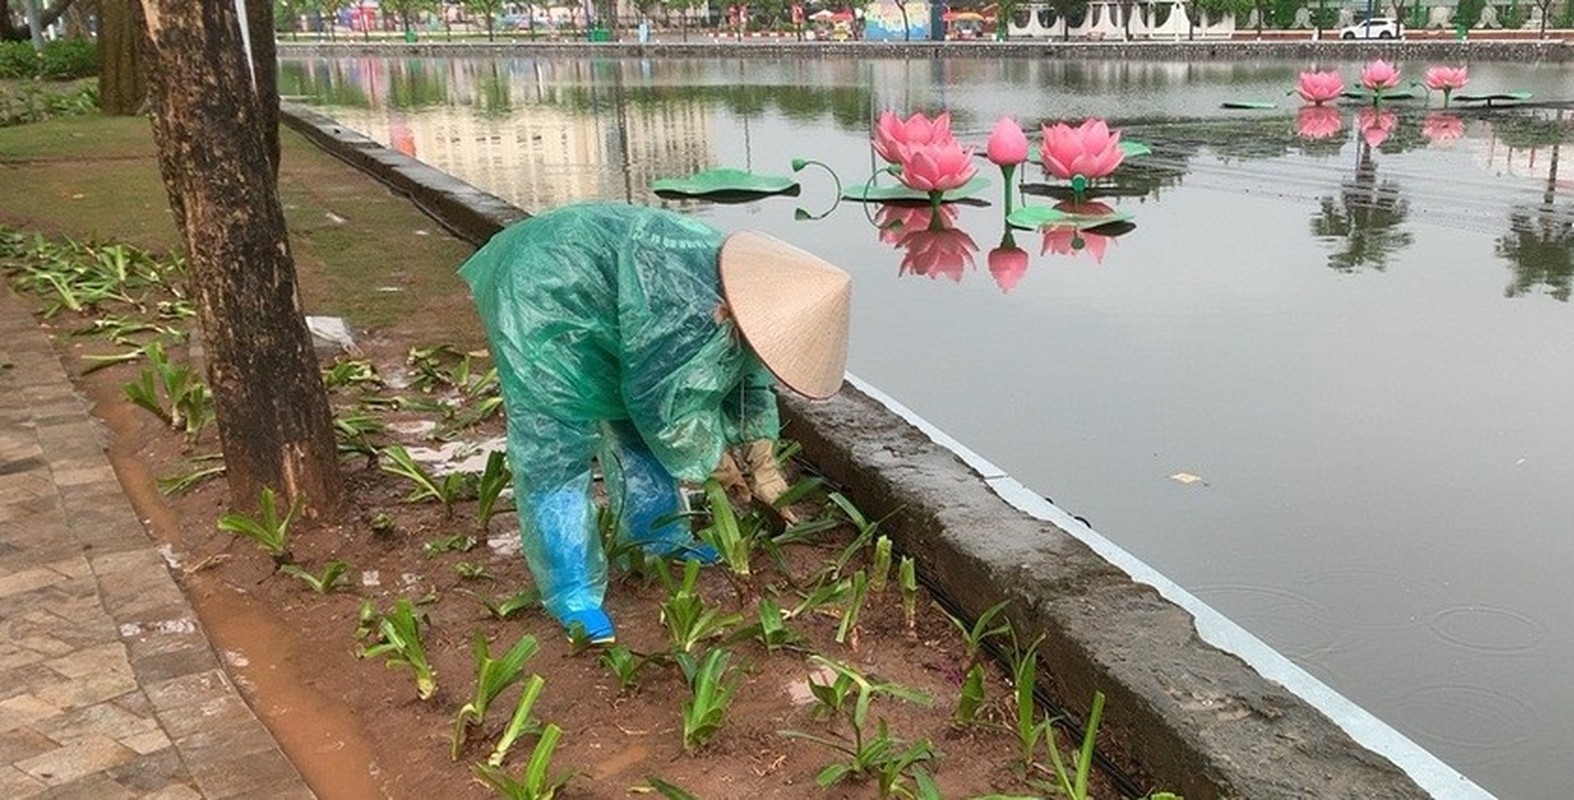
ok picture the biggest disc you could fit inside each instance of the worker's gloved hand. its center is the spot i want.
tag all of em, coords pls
(767, 482)
(730, 476)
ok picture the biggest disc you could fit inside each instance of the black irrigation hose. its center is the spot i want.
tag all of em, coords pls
(1128, 786)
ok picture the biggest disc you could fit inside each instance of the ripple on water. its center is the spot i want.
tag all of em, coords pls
(1487, 629)
(1294, 624)
(1496, 721)
(1371, 599)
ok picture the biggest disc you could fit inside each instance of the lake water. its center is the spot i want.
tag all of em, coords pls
(1325, 382)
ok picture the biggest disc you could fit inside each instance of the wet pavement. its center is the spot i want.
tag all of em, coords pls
(108, 686)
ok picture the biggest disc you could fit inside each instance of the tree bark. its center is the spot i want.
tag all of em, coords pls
(265, 58)
(121, 86)
(271, 407)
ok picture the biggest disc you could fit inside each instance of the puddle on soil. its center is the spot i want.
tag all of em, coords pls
(322, 738)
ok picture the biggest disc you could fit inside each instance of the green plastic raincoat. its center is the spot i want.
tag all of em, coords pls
(603, 320)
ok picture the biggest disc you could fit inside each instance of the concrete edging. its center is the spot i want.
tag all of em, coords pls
(1201, 719)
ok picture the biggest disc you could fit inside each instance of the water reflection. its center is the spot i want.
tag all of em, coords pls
(1364, 220)
(1442, 129)
(1539, 246)
(1008, 263)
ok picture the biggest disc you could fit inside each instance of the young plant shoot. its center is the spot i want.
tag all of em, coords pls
(492, 676)
(400, 641)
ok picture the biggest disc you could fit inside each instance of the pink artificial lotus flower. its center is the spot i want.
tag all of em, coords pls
(1318, 122)
(1320, 87)
(936, 167)
(1375, 125)
(938, 251)
(1007, 144)
(1008, 264)
(1449, 78)
(1442, 129)
(896, 220)
(1379, 75)
(892, 135)
(1091, 150)
(1066, 240)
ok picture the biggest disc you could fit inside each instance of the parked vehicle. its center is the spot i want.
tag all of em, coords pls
(1374, 28)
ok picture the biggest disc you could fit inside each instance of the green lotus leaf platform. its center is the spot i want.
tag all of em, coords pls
(1249, 105)
(724, 181)
(1495, 97)
(1366, 96)
(1033, 217)
(899, 193)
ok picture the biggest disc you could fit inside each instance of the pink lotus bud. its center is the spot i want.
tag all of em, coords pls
(1007, 144)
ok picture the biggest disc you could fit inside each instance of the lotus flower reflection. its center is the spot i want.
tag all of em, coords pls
(896, 220)
(1375, 125)
(1442, 129)
(893, 135)
(1008, 263)
(1318, 122)
(1068, 241)
(1320, 87)
(1086, 152)
(1446, 80)
(938, 251)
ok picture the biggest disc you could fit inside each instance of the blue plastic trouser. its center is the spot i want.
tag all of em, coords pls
(557, 525)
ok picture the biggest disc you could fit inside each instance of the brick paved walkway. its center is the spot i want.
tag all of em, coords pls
(108, 686)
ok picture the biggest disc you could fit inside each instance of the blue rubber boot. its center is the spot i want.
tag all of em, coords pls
(592, 623)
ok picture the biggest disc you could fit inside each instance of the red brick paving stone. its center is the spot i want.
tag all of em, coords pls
(101, 658)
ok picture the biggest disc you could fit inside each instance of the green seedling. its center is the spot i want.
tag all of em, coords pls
(353, 434)
(383, 524)
(366, 620)
(1024, 676)
(805, 531)
(270, 531)
(971, 698)
(171, 392)
(510, 606)
(713, 685)
(831, 699)
(668, 790)
(520, 722)
(1074, 785)
(771, 630)
(347, 372)
(472, 571)
(492, 676)
(973, 636)
(907, 576)
(687, 617)
(458, 543)
(724, 533)
(400, 640)
(866, 529)
(324, 583)
(855, 604)
(625, 665)
(196, 474)
(495, 477)
(446, 489)
(880, 571)
(881, 755)
(825, 594)
(536, 783)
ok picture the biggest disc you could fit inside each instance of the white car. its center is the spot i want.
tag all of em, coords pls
(1374, 28)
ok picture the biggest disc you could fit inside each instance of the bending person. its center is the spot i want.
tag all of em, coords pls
(648, 341)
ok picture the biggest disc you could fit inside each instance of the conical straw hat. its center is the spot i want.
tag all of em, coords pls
(792, 308)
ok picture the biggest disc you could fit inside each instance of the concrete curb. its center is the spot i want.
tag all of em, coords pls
(1202, 50)
(1199, 718)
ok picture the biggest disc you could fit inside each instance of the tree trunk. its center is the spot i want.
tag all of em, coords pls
(121, 83)
(265, 63)
(271, 408)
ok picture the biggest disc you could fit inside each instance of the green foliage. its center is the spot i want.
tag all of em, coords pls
(908, 578)
(771, 631)
(973, 636)
(971, 698)
(458, 543)
(269, 530)
(687, 617)
(733, 541)
(399, 639)
(880, 570)
(447, 489)
(1024, 677)
(536, 783)
(669, 790)
(1074, 785)
(869, 753)
(855, 604)
(492, 676)
(322, 583)
(353, 433)
(495, 477)
(472, 572)
(625, 665)
(28, 103)
(186, 403)
(351, 372)
(199, 469)
(520, 723)
(510, 606)
(1513, 16)
(61, 59)
(713, 684)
